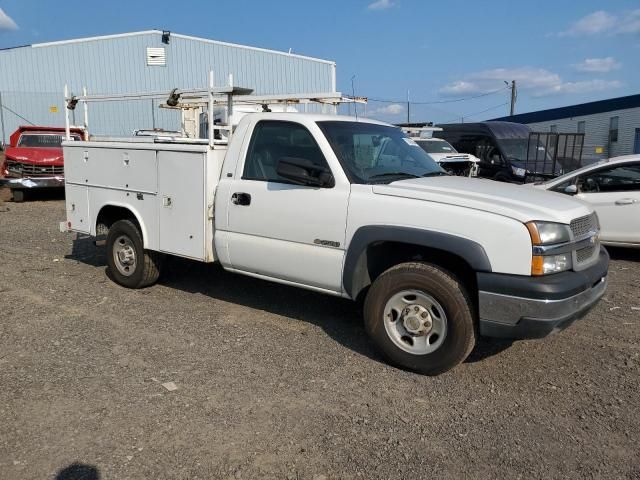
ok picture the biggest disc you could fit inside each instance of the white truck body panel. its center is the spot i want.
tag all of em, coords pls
(283, 228)
(168, 187)
(506, 243)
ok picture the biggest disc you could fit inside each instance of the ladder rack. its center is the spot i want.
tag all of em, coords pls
(228, 95)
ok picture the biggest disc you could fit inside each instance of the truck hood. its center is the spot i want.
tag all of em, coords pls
(36, 156)
(522, 204)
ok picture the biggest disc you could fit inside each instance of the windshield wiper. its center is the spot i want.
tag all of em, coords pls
(435, 174)
(394, 174)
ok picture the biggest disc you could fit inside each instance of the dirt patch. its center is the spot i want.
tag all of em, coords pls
(5, 195)
(214, 375)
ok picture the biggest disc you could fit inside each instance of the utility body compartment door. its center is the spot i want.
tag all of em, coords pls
(181, 203)
(116, 168)
(77, 202)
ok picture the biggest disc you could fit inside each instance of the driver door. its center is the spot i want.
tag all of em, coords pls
(614, 193)
(277, 229)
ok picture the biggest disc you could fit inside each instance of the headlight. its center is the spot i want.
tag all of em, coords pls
(545, 234)
(546, 264)
(518, 172)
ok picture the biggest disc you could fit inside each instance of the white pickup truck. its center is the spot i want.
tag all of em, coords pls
(304, 200)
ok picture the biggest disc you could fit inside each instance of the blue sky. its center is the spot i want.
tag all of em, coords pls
(560, 52)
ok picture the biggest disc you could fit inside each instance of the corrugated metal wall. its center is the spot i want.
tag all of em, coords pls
(32, 78)
(597, 131)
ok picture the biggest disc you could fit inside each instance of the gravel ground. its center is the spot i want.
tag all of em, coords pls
(275, 382)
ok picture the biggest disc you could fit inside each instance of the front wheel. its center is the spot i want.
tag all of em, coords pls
(18, 195)
(128, 263)
(420, 317)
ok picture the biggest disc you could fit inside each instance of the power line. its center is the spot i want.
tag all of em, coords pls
(477, 113)
(18, 115)
(435, 102)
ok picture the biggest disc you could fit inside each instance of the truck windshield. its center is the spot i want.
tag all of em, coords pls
(43, 140)
(436, 146)
(371, 153)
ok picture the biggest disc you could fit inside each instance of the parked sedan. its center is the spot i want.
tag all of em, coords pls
(612, 188)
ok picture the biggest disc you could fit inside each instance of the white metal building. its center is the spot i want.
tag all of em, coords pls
(611, 127)
(32, 77)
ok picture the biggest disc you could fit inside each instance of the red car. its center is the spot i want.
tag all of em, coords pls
(34, 159)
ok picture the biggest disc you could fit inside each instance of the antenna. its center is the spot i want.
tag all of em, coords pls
(353, 93)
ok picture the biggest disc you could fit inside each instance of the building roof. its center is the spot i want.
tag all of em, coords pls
(176, 35)
(582, 109)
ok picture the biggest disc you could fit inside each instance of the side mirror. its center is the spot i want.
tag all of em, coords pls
(303, 171)
(571, 189)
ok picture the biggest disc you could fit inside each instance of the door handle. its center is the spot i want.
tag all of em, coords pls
(240, 198)
(626, 201)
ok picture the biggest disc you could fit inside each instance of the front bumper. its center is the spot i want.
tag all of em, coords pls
(514, 306)
(32, 182)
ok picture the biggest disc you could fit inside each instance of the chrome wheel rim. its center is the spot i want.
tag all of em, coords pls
(124, 255)
(415, 322)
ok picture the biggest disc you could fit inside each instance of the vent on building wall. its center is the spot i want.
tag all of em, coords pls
(156, 57)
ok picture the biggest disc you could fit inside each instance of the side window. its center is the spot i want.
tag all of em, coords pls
(623, 178)
(562, 187)
(273, 140)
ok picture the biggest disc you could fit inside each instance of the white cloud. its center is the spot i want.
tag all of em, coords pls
(602, 22)
(595, 85)
(6, 22)
(460, 87)
(381, 5)
(488, 80)
(392, 109)
(600, 65)
(596, 22)
(537, 82)
(630, 23)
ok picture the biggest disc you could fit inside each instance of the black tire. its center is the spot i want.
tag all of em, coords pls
(18, 195)
(502, 177)
(147, 265)
(442, 286)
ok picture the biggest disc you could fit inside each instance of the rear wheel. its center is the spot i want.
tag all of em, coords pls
(128, 263)
(18, 195)
(421, 318)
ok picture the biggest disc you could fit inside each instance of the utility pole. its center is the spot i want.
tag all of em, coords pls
(408, 108)
(513, 96)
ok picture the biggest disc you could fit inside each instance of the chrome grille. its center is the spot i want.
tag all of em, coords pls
(582, 226)
(585, 254)
(30, 169)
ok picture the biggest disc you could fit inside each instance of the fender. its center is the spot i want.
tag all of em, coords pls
(355, 262)
(134, 212)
